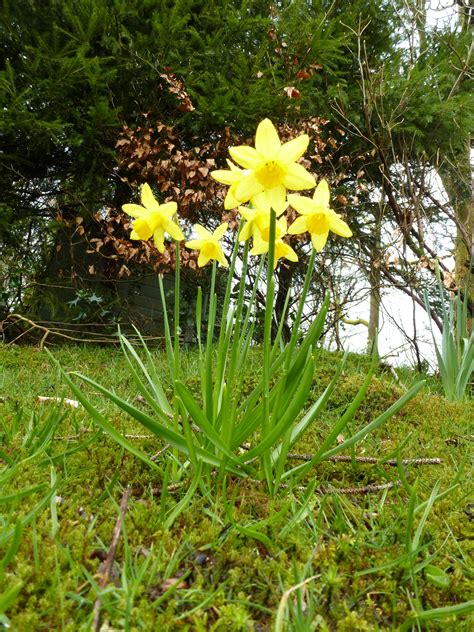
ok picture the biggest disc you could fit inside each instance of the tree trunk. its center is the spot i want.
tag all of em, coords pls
(461, 197)
(375, 280)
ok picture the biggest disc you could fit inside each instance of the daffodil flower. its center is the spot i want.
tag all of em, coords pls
(153, 219)
(316, 217)
(257, 217)
(282, 250)
(208, 245)
(231, 177)
(271, 167)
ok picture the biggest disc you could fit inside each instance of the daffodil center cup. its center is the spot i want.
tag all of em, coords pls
(265, 232)
(318, 223)
(270, 173)
(210, 250)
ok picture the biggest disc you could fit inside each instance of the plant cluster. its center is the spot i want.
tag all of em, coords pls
(212, 433)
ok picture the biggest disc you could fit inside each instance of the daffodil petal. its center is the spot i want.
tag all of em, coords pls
(293, 149)
(283, 250)
(246, 156)
(291, 254)
(246, 231)
(319, 240)
(230, 200)
(298, 226)
(202, 260)
(202, 232)
(267, 142)
(259, 248)
(260, 201)
(147, 198)
(339, 226)
(134, 210)
(321, 195)
(174, 230)
(297, 178)
(248, 188)
(277, 198)
(169, 208)
(159, 239)
(303, 205)
(221, 258)
(281, 227)
(225, 176)
(194, 244)
(247, 213)
(220, 231)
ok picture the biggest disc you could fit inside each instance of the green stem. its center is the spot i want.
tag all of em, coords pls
(176, 370)
(211, 319)
(267, 333)
(301, 304)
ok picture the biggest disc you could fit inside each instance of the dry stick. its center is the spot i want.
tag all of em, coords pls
(109, 561)
(348, 491)
(58, 332)
(291, 455)
(368, 459)
(89, 430)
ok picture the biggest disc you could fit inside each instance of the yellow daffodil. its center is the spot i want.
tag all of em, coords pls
(257, 217)
(261, 231)
(316, 217)
(153, 219)
(232, 177)
(271, 167)
(208, 245)
(282, 249)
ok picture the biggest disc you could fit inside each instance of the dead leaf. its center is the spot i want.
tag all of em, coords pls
(68, 402)
(292, 92)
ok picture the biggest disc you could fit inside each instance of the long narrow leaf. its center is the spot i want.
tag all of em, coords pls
(398, 405)
(200, 419)
(167, 434)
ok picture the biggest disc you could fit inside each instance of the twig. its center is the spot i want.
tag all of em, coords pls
(109, 561)
(368, 459)
(56, 331)
(156, 456)
(350, 491)
(87, 430)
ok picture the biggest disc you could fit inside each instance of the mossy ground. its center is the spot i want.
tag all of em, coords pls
(206, 572)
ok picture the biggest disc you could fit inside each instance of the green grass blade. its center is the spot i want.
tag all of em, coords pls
(12, 548)
(152, 376)
(8, 596)
(435, 614)
(31, 515)
(157, 400)
(22, 493)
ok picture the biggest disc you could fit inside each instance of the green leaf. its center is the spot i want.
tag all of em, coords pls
(9, 595)
(165, 433)
(437, 577)
(200, 419)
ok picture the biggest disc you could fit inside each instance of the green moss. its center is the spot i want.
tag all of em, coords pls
(355, 545)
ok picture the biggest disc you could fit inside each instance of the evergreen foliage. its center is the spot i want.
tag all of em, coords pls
(73, 73)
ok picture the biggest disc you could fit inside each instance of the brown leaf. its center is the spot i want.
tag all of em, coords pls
(303, 74)
(292, 92)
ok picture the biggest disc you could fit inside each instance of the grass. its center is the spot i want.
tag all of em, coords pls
(399, 558)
